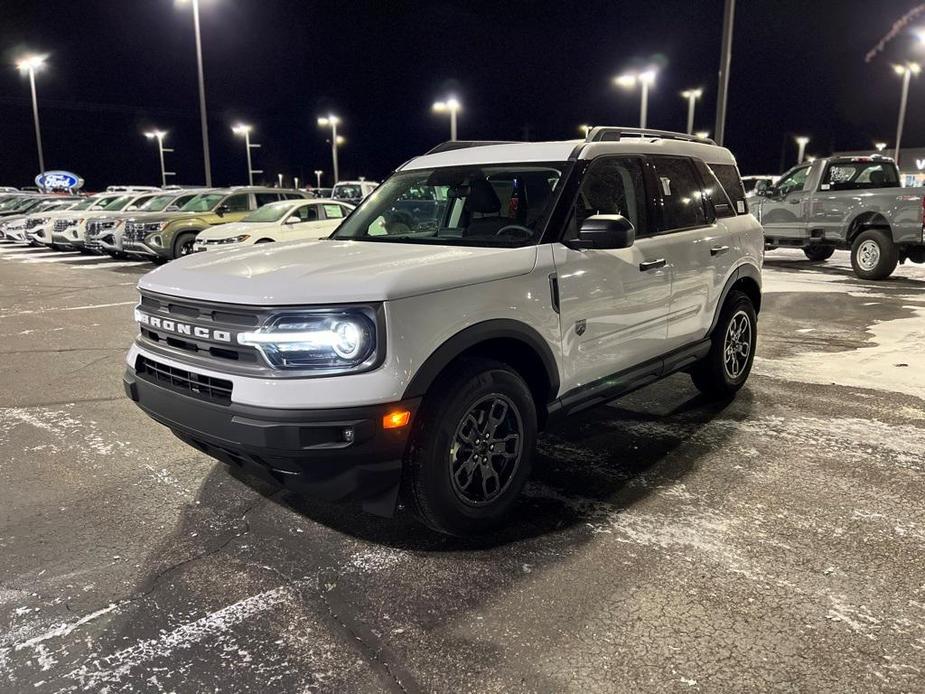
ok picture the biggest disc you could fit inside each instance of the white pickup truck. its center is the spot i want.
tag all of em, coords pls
(848, 203)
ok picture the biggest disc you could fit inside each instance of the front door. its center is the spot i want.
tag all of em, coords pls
(613, 303)
(783, 212)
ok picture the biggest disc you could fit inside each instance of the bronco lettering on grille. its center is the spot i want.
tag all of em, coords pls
(173, 326)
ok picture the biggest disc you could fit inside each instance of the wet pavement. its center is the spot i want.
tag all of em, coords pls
(666, 543)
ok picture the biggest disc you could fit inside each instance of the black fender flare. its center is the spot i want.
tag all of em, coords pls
(746, 270)
(498, 328)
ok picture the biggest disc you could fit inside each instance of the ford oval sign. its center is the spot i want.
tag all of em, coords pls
(59, 180)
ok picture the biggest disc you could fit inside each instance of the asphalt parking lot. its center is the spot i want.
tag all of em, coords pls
(667, 543)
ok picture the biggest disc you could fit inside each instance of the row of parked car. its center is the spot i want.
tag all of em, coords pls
(163, 224)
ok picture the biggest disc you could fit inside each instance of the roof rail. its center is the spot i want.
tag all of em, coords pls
(605, 133)
(451, 145)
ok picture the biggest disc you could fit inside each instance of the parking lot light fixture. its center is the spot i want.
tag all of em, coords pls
(585, 129)
(332, 121)
(801, 141)
(702, 134)
(645, 79)
(202, 94)
(907, 72)
(691, 95)
(880, 146)
(318, 173)
(159, 135)
(245, 131)
(29, 65)
(451, 106)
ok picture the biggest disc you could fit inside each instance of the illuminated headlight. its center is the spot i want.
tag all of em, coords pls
(334, 340)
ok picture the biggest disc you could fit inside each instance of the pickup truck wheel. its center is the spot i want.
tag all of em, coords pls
(819, 253)
(874, 255)
(472, 447)
(726, 368)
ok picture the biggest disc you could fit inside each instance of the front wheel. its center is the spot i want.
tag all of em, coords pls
(183, 245)
(874, 255)
(819, 253)
(727, 366)
(472, 447)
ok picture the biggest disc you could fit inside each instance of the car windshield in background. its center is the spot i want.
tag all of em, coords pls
(269, 213)
(203, 203)
(85, 204)
(347, 192)
(497, 206)
(859, 175)
(157, 203)
(116, 203)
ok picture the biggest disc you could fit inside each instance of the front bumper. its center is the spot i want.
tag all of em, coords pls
(307, 451)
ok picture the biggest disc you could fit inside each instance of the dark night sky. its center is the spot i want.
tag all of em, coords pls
(117, 67)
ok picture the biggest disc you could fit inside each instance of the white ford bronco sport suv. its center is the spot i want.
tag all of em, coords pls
(421, 348)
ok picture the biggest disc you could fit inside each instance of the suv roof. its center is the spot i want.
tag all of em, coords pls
(601, 140)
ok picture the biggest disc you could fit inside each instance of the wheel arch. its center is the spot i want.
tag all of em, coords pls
(747, 279)
(864, 221)
(509, 341)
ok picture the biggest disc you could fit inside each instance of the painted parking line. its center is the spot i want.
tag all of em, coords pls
(105, 266)
(18, 249)
(67, 308)
(73, 258)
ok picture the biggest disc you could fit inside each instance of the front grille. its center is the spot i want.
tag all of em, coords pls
(32, 223)
(216, 390)
(61, 225)
(134, 232)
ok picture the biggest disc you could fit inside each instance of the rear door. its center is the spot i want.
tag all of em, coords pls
(613, 303)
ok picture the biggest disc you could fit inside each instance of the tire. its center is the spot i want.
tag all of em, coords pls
(264, 241)
(183, 245)
(715, 377)
(447, 490)
(819, 253)
(874, 255)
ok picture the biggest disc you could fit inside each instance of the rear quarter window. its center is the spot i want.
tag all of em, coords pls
(728, 175)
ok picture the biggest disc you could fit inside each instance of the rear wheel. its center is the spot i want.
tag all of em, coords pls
(727, 366)
(874, 255)
(819, 253)
(472, 448)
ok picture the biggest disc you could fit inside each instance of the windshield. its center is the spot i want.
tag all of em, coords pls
(269, 213)
(156, 204)
(85, 204)
(111, 203)
(347, 191)
(203, 203)
(495, 206)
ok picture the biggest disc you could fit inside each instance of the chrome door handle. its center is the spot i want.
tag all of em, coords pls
(718, 250)
(653, 264)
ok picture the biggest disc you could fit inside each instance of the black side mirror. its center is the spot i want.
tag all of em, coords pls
(605, 231)
(221, 210)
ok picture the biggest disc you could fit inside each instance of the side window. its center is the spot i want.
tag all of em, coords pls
(859, 175)
(728, 175)
(333, 211)
(307, 213)
(182, 200)
(266, 198)
(612, 186)
(237, 203)
(679, 188)
(793, 181)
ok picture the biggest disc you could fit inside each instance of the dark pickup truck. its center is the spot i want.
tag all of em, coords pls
(849, 203)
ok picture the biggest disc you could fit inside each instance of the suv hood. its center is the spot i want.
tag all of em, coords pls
(301, 273)
(164, 216)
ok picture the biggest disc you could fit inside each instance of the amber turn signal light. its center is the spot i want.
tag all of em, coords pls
(396, 419)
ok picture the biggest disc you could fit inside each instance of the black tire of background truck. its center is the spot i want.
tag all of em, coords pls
(186, 239)
(887, 258)
(711, 375)
(264, 241)
(819, 253)
(429, 485)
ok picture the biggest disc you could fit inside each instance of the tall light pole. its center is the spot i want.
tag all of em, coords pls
(644, 79)
(332, 121)
(245, 131)
(28, 65)
(159, 135)
(452, 107)
(318, 173)
(202, 95)
(801, 141)
(907, 72)
(691, 95)
(725, 65)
